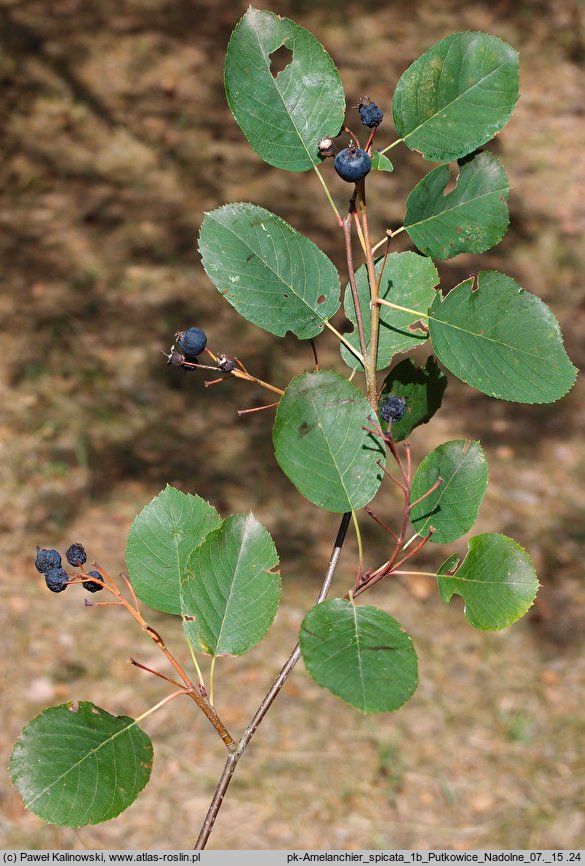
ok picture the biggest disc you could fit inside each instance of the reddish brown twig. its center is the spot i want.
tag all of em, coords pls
(377, 520)
(257, 408)
(191, 690)
(432, 489)
(156, 673)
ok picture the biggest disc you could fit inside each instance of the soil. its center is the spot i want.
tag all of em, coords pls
(116, 140)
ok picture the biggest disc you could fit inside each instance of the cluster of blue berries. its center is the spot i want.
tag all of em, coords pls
(393, 408)
(353, 163)
(48, 562)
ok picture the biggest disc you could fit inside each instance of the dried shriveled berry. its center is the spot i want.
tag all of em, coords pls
(56, 579)
(76, 555)
(47, 559)
(393, 408)
(371, 115)
(174, 359)
(225, 364)
(91, 585)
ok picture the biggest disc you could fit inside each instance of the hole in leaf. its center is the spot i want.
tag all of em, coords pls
(321, 299)
(454, 172)
(279, 60)
(417, 327)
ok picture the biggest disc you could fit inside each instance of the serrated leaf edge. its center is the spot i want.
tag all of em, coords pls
(69, 705)
(435, 155)
(447, 593)
(446, 481)
(295, 231)
(313, 158)
(476, 278)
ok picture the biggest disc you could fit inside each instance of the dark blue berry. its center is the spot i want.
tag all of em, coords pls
(370, 114)
(47, 559)
(393, 408)
(192, 342)
(352, 164)
(76, 555)
(91, 585)
(56, 579)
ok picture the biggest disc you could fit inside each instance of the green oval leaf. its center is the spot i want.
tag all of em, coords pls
(408, 280)
(501, 340)
(160, 543)
(284, 116)
(496, 580)
(360, 654)
(471, 218)
(457, 95)
(422, 389)
(273, 275)
(229, 594)
(381, 162)
(453, 507)
(75, 766)
(320, 443)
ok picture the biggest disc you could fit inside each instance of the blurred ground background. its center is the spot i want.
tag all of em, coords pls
(116, 139)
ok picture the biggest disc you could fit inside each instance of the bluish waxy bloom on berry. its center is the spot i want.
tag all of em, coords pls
(76, 555)
(192, 342)
(56, 579)
(370, 114)
(91, 585)
(47, 559)
(393, 408)
(352, 164)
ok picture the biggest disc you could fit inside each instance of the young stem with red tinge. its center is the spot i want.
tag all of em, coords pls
(371, 576)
